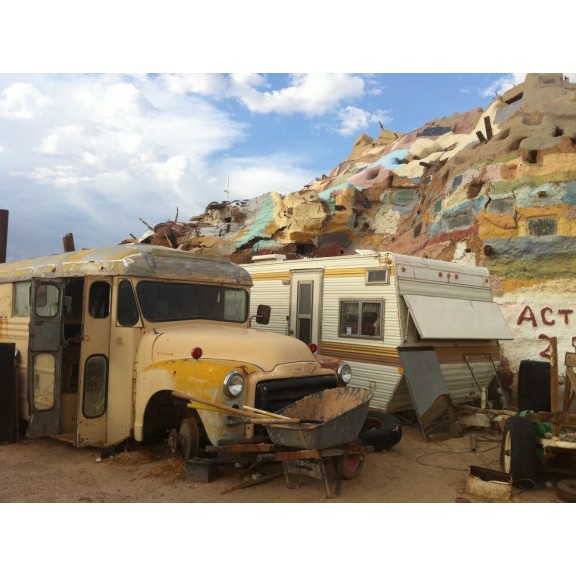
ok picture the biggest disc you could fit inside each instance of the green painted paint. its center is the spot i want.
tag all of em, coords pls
(545, 268)
(262, 220)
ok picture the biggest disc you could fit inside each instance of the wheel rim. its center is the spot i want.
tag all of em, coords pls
(352, 462)
(371, 423)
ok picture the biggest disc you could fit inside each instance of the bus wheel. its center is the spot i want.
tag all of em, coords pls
(189, 438)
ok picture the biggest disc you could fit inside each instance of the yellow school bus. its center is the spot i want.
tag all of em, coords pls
(110, 341)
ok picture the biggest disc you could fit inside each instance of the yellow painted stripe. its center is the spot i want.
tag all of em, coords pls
(369, 354)
(336, 273)
(270, 276)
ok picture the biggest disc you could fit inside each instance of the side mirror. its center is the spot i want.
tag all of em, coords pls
(263, 314)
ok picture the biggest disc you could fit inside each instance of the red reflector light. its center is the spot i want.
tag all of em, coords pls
(197, 353)
(313, 347)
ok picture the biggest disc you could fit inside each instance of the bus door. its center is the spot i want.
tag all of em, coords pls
(305, 306)
(44, 357)
(94, 363)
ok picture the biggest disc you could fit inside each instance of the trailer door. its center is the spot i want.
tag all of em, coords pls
(44, 357)
(306, 306)
(94, 363)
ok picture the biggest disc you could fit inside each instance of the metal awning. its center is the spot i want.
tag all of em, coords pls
(456, 319)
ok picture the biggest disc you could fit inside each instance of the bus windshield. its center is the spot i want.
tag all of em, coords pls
(172, 301)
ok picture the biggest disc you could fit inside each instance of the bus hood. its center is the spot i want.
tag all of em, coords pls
(224, 342)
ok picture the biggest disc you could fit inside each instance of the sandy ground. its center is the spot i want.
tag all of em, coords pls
(403, 511)
(414, 471)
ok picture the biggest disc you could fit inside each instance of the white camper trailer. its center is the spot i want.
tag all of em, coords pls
(368, 307)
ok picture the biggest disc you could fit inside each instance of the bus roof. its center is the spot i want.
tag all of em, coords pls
(141, 260)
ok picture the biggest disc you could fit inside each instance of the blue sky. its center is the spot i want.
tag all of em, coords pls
(87, 148)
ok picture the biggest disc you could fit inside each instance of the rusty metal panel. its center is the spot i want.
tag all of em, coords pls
(429, 392)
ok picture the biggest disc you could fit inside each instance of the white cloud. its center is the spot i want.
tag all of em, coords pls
(311, 94)
(173, 170)
(122, 98)
(503, 84)
(22, 100)
(354, 120)
(203, 84)
(251, 177)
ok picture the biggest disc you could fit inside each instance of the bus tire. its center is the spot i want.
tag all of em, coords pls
(518, 451)
(189, 438)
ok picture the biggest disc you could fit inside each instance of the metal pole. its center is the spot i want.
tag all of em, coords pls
(3, 235)
(68, 242)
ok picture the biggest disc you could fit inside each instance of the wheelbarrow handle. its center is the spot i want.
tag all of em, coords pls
(278, 422)
(213, 405)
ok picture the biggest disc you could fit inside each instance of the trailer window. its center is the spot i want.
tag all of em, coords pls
(360, 319)
(378, 276)
(173, 301)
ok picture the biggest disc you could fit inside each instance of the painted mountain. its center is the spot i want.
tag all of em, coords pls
(493, 188)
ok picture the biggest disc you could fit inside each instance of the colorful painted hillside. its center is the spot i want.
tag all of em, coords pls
(493, 188)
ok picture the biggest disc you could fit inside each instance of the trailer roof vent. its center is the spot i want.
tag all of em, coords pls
(268, 257)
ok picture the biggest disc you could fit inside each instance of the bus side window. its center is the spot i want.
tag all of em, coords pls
(127, 310)
(47, 300)
(22, 299)
(99, 300)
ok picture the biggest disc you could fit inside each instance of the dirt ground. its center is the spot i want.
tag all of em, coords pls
(413, 471)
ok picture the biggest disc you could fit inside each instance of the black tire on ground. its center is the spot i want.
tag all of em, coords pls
(380, 430)
(352, 464)
(566, 490)
(518, 451)
(189, 438)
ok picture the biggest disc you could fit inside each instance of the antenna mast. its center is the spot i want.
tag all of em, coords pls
(227, 189)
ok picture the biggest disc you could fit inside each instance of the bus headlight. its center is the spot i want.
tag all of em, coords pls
(344, 373)
(233, 384)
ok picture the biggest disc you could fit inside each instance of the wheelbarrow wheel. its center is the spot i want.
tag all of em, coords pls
(518, 451)
(351, 463)
(189, 438)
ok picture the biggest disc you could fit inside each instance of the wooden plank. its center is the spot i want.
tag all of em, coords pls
(554, 401)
